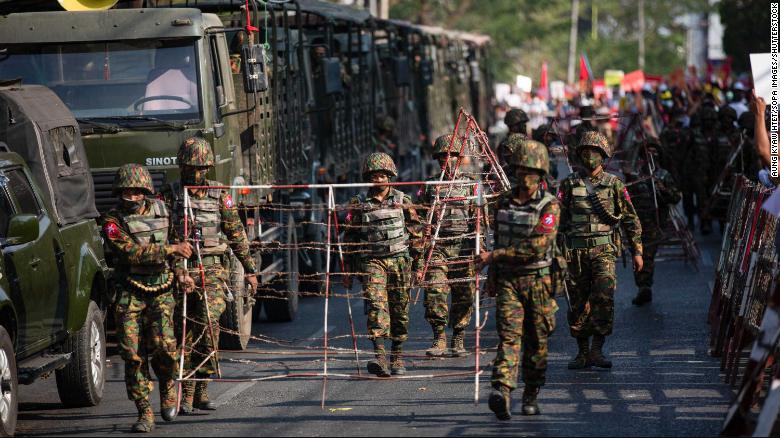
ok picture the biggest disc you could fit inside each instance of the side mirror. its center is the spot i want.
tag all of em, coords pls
(253, 61)
(331, 67)
(23, 228)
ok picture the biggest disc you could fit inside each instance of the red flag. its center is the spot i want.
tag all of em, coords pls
(583, 69)
(543, 84)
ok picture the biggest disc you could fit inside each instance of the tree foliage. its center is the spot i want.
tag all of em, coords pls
(746, 29)
(527, 32)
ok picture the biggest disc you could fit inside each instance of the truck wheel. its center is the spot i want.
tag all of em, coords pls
(237, 318)
(81, 382)
(9, 403)
(281, 305)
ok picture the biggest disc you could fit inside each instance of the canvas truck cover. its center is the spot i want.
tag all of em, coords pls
(37, 125)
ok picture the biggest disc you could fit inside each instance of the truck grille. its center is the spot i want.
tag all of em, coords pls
(104, 183)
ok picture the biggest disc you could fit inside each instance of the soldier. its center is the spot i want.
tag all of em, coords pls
(675, 144)
(704, 148)
(136, 232)
(526, 223)
(653, 213)
(383, 136)
(215, 226)
(594, 203)
(380, 225)
(515, 119)
(452, 245)
(587, 116)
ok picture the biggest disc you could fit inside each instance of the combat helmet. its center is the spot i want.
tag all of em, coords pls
(596, 140)
(133, 176)
(531, 154)
(195, 151)
(379, 162)
(442, 145)
(385, 124)
(515, 116)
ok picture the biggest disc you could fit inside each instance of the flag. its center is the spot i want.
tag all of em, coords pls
(586, 74)
(543, 83)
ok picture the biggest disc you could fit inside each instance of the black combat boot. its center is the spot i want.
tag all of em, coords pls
(581, 360)
(500, 402)
(202, 401)
(597, 357)
(168, 399)
(644, 296)
(530, 407)
(145, 422)
(397, 367)
(378, 366)
(439, 346)
(456, 344)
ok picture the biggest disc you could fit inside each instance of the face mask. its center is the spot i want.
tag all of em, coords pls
(189, 176)
(132, 207)
(591, 159)
(528, 182)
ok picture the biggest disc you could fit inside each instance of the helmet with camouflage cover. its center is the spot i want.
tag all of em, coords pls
(531, 154)
(515, 116)
(379, 162)
(195, 151)
(596, 140)
(442, 145)
(511, 144)
(385, 124)
(133, 176)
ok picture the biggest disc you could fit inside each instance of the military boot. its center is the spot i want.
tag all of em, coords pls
(597, 357)
(500, 402)
(456, 344)
(187, 397)
(530, 407)
(439, 346)
(581, 360)
(202, 397)
(168, 399)
(397, 367)
(145, 422)
(378, 366)
(644, 296)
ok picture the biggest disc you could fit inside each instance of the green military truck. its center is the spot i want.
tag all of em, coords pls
(52, 271)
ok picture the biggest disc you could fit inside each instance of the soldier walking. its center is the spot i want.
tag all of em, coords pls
(515, 119)
(452, 246)
(526, 224)
(379, 225)
(653, 213)
(136, 232)
(215, 227)
(594, 204)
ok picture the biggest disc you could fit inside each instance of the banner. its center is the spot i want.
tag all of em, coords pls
(633, 81)
(612, 78)
(761, 67)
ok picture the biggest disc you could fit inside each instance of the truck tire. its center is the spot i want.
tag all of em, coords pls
(9, 402)
(82, 381)
(237, 318)
(282, 303)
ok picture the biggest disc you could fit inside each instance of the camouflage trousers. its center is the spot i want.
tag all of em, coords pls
(651, 238)
(145, 333)
(386, 290)
(592, 282)
(525, 318)
(202, 305)
(439, 273)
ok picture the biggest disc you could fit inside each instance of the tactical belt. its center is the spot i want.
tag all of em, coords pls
(211, 260)
(148, 270)
(588, 242)
(152, 289)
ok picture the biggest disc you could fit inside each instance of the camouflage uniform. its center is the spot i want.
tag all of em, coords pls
(380, 231)
(144, 310)
(667, 196)
(593, 247)
(525, 236)
(216, 227)
(452, 245)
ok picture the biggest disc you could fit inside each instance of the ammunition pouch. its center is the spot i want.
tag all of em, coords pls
(601, 210)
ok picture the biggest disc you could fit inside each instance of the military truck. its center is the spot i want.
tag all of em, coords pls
(52, 271)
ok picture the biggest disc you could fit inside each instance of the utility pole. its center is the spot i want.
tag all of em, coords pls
(641, 60)
(575, 13)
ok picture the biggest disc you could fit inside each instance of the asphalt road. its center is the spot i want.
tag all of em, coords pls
(663, 381)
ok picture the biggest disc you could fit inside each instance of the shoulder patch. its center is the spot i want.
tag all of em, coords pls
(229, 201)
(111, 230)
(560, 195)
(626, 195)
(546, 223)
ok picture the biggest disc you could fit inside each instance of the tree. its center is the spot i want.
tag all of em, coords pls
(746, 30)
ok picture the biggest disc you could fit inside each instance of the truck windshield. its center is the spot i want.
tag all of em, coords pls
(123, 79)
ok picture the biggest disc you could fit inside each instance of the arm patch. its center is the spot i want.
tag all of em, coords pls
(547, 223)
(111, 230)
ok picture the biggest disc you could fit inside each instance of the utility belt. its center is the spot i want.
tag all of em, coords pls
(153, 283)
(581, 242)
(539, 269)
(211, 260)
(147, 270)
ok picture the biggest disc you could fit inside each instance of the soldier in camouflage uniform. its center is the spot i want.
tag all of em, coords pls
(215, 226)
(452, 245)
(136, 232)
(594, 203)
(697, 181)
(653, 213)
(379, 225)
(515, 119)
(383, 136)
(526, 224)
